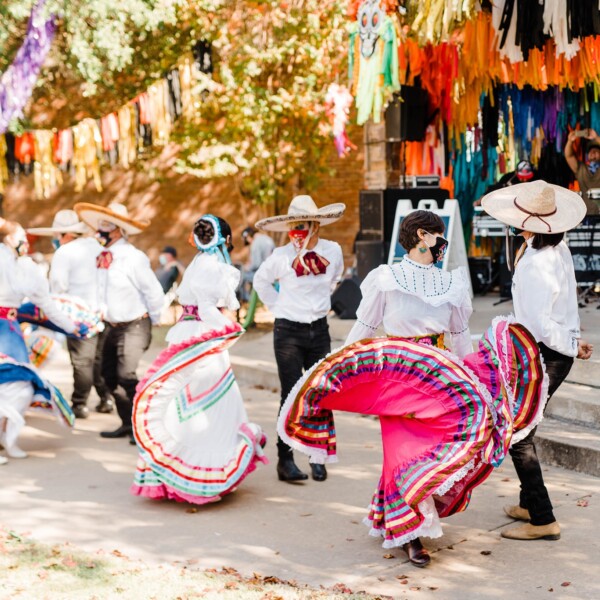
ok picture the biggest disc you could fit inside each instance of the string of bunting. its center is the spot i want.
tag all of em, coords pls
(116, 138)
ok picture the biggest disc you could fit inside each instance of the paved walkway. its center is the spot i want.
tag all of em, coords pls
(74, 487)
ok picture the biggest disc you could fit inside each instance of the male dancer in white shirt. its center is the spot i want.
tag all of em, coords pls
(73, 273)
(305, 271)
(545, 301)
(130, 298)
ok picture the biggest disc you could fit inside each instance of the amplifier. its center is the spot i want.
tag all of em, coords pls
(486, 226)
(420, 181)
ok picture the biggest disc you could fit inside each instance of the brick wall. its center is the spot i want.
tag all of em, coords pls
(173, 202)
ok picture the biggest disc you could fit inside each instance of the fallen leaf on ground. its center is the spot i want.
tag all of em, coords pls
(506, 479)
(582, 503)
(306, 515)
(340, 587)
(565, 584)
(69, 562)
(191, 509)
(388, 556)
(486, 552)
(118, 553)
(415, 588)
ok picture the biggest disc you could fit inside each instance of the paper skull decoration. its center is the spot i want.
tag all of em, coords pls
(370, 18)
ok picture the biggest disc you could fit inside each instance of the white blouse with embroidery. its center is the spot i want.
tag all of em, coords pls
(410, 299)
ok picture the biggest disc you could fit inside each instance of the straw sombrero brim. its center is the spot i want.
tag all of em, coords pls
(570, 210)
(92, 215)
(325, 216)
(47, 231)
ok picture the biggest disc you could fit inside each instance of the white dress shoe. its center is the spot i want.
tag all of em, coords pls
(3, 460)
(16, 452)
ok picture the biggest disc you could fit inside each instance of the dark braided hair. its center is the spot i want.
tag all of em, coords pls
(205, 231)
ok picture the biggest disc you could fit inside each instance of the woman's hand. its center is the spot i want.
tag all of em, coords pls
(584, 349)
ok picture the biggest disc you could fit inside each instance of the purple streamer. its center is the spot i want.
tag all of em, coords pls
(16, 83)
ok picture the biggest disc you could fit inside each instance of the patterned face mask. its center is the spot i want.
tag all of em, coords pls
(438, 250)
(297, 237)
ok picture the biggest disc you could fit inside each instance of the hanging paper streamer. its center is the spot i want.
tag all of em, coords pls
(338, 101)
(16, 83)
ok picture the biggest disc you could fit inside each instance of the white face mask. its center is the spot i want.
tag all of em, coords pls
(18, 241)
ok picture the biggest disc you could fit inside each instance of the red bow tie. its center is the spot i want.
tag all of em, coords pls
(315, 264)
(104, 259)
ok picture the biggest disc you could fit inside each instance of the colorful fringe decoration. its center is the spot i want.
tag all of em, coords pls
(445, 423)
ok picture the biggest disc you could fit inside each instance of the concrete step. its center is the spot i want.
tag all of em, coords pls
(570, 446)
(577, 403)
(586, 371)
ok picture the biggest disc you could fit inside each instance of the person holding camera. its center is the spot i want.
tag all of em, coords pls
(586, 173)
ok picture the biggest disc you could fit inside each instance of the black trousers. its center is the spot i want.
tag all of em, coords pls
(297, 346)
(86, 359)
(534, 495)
(124, 346)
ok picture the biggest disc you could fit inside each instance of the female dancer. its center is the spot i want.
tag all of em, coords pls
(443, 426)
(20, 384)
(545, 301)
(189, 421)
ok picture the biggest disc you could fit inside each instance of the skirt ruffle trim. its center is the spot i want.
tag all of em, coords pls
(164, 491)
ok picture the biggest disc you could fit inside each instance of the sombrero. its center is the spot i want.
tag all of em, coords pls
(65, 221)
(114, 213)
(303, 208)
(536, 206)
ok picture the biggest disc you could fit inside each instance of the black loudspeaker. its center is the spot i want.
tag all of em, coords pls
(369, 254)
(346, 298)
(406, 116)
(370, 213)
(480, 269)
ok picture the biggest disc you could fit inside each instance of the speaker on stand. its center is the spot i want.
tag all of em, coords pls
(346, 298)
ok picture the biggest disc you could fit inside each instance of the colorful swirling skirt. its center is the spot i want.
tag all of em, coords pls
(190, 424)
(77, 310)
(445, 423)
(46, 397)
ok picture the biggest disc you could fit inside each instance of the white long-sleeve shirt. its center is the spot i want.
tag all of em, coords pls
(410, 300)
(129, 288)
(544, 293)
(73, 270)
(210, 284)
(301, 299)
(21, 279)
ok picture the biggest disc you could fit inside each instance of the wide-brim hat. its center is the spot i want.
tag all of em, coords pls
(114, 213)
(65, 221)
(536, 206)
(303, 208)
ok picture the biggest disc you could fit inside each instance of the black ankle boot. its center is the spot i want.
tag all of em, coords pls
(287, 470)
(417, 555)
(319, 472)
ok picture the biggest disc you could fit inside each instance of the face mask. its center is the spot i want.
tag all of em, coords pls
(55, 243)
(162, 259)
(18, 241)
(438, 250)
(103, 237)
(297, 237)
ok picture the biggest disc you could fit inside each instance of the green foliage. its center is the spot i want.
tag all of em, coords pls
(263, 117)
(261, 120)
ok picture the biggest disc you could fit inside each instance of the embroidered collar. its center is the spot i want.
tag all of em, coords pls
(426, 281)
